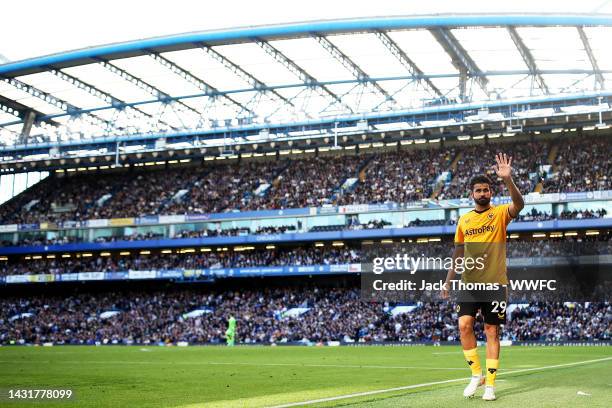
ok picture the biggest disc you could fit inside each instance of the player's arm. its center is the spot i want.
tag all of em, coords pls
(457, 253)
(504, 170)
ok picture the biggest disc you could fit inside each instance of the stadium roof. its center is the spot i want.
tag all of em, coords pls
(222, 88)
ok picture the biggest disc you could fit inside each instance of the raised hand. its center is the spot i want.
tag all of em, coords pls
(503, 167)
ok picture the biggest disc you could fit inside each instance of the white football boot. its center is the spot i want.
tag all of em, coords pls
(489, 394)
(475, 382)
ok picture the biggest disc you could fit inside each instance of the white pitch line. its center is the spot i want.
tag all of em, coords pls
(523, 370)
(367, 393)
(408, 387)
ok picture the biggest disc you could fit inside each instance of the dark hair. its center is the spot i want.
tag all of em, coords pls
(480, 179)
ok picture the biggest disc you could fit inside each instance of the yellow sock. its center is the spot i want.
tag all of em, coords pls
(471, 356)
(492, 366)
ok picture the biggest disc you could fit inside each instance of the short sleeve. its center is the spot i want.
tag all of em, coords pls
(503, 212)
(459, 234)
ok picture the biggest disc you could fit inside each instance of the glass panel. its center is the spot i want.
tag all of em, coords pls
(254, 60)
(395, 219)
(312, 57)
(558, 48)
(492, 49)
(157, 75)
(49, 83)
(201, 65)
(369, 53)
(599, 39)
(109, 82)
(591, 205)
(422, 48)
(424, 215)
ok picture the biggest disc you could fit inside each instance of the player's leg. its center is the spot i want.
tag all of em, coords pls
(492, 333)
(467, 316)
(492, 364)
(466, 332)
(229, 338)
(495, 315)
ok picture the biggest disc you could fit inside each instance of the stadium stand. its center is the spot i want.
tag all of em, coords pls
(280, 256)
(223, 259)
(403, 176)
(308, 183)
(582, 164)
(151, 317)
(526, 158)
(396, 176)
(40, 239)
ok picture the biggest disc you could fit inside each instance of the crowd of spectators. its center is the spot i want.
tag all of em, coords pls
(562, 246)
(582, 164)
(60, 198)
(117, 194)
(372, 224)
(353, 224)
(281, 229)
(37, 240)
(200, 233)
(479, 159)
(225, 188)
(533, 215)
(290, 256)
(160, 317)
(191, 260)
(430, 223)
(561, 322)
(329, 314)
(399, 176)
(583, 214)
(536, 215)
(142, 193)
(311, 182)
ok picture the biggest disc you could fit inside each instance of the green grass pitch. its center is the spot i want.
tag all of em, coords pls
(273, 376)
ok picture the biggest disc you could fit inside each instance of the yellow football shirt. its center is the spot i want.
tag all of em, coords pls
(483, 234)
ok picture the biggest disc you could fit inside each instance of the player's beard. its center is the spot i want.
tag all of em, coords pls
(484, 201)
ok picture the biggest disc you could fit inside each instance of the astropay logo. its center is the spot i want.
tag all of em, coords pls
(481, 230)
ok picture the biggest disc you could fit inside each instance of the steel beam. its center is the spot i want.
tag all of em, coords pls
(97, 92)
(156, 92)
(299, 72)
(587, 47)
(349, 64)
(198, 82)
(528, 58)
(406, 62)
(460, 59)
(57, 102)
(249, 78)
